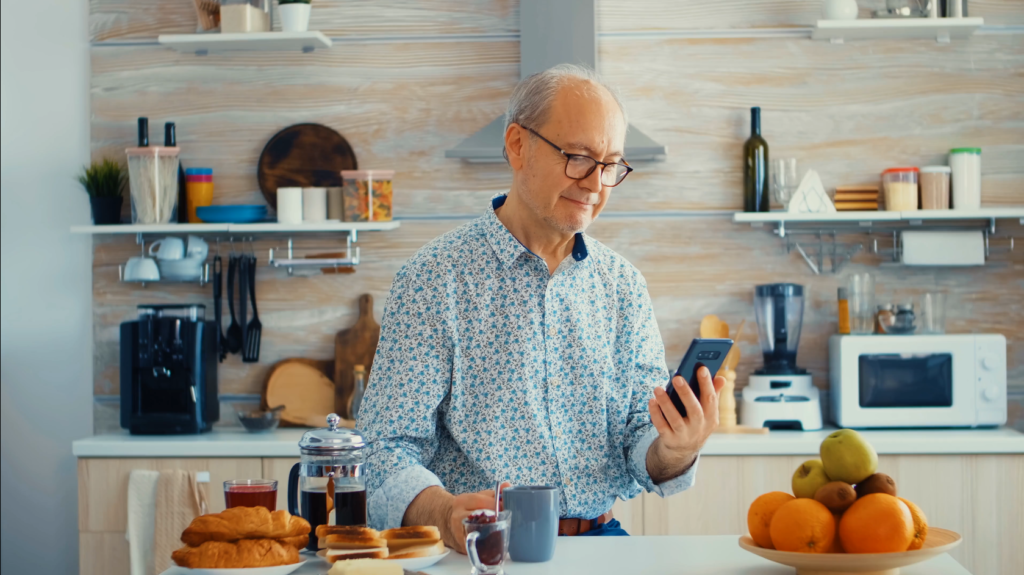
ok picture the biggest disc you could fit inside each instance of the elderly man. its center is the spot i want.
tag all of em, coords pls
(517, 348)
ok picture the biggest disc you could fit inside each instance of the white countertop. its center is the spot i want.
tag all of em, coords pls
(284, 443)
(693, 555)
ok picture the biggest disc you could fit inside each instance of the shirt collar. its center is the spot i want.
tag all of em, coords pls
(507, 247)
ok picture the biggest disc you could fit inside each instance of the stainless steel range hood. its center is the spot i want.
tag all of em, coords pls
(553, 32)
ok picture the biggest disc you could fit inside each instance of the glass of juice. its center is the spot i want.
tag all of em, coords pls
(251, 493)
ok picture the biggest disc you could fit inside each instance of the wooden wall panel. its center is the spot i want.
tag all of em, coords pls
(145, 19)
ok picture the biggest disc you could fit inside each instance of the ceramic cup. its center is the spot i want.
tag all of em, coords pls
(314, 204)
(289, 205)
(534, 522)
(197, 248)
(141, 269)
(169, 248)
(840, 9)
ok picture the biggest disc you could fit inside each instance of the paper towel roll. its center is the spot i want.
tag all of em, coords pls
(944, 248)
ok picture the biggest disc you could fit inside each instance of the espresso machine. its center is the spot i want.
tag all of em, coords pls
(780, 395)
(169, 371)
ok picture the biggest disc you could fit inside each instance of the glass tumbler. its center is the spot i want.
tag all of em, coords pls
(487, 543)
(933, 312)
(250, 493)
(861, 288)
(784, 180)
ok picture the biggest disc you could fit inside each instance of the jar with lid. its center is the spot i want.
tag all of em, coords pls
(328, 485)
(934, 187)
(244, 16)
(965, 179)
(900, 187)
(885, 316)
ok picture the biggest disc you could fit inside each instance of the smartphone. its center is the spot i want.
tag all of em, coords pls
(703, 352)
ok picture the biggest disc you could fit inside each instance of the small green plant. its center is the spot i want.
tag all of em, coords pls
(283, 2)
(104, 179)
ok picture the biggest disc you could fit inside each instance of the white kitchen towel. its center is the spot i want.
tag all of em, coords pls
(179, 500)
(142, 486)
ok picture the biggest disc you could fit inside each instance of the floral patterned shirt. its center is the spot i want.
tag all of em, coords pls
(490, 367)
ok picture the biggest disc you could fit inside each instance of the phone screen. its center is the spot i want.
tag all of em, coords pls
(703, 352)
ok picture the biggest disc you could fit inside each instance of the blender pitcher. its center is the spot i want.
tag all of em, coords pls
(327, 486)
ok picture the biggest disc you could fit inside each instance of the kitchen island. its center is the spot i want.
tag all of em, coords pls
(969, 481)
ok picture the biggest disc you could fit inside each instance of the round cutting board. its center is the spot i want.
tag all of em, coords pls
(303, 156)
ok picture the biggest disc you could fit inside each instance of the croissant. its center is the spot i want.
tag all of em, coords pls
(244, 523)
(238, 555)
(299, 541)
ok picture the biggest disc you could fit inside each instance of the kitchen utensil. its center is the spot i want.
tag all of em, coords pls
(534, 529)
(356, 400)
(885, 317)
(234, 334)
(933, 312)
(330, 458)
(712, 327)
(303, 155)
(732, 359)
(354, 346)
(939, 541)
(218, 311)
(169, 248)
(254, 332)
(289, 205)
(487, 544)
(237, 214)
(935, 187)
(305, 391)
(333, 269)
(141, 269)
(861, 299)
(965, 178)
(784, 177)
(250, 493)
(153, 180)
(314, 204)
(243, 297)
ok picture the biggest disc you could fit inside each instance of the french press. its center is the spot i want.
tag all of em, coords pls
(329, 478)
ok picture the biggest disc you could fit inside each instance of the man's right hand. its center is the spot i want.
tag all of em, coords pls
(435, 506)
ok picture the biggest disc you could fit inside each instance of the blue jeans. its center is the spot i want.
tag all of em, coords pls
(611, 529)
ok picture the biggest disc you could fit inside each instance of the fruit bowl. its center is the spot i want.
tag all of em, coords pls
(939, 541)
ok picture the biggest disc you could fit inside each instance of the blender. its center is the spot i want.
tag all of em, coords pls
(781, 394)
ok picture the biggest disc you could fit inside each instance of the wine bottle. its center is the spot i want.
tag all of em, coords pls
(171, 140)
(755, 168)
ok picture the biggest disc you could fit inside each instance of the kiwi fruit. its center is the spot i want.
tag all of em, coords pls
(877, 483)
(836, 495)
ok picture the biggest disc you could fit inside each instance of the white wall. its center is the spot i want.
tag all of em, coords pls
(45, 310)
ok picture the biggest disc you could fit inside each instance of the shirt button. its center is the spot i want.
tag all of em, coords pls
(554, 381)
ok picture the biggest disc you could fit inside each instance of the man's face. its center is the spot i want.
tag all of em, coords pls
(584, 119)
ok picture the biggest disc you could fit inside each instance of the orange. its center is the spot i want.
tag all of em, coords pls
(920, 525)
(877, 523)
(837, 546)
(804, 526)
(759, 516)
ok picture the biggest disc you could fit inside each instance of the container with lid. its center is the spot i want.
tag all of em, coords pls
(327, 486)
(244, 16)
(367, 195)
(199, 190)
(965, 164)
(900, 185)
(934, 187)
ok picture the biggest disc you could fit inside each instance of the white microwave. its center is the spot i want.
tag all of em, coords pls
(950, 380)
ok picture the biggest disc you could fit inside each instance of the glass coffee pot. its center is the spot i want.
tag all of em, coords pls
(327, 486)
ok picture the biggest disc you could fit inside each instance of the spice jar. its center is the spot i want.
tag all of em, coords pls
(885, 317)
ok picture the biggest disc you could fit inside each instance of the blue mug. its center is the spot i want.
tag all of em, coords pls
(534, 526)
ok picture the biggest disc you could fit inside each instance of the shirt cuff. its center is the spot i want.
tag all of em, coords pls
(638, 461)
(387, 505)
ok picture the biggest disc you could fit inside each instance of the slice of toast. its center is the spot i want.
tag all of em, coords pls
(322, 530)
(333, 555)
(435, 548)
(350, 542)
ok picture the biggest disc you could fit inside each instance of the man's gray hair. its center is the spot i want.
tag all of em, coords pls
(532, 97)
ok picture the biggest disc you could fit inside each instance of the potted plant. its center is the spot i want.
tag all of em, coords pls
(294, 15)
(105, 182)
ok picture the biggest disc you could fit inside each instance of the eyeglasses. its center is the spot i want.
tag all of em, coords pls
(579, 167)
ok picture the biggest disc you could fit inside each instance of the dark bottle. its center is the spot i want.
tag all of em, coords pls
(755, 167)
(171, 140)
(143, 132)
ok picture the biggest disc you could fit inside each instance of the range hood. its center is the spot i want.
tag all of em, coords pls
(552, 33)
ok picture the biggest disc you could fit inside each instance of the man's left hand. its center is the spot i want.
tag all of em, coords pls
(680, 438)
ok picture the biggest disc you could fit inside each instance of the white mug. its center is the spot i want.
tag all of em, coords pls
(170, 248)
(141, 269)
(840, 9)
(196, 248)
(314, 204)
(289, 205)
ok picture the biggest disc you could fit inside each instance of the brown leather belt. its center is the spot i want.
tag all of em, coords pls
(571, 527)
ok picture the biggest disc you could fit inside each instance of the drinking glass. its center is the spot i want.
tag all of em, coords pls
(487, 544)
(861, 289)
(251, 493)
(784, 180)
(933, 312)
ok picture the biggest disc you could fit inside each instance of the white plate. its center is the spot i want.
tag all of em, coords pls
(279, 570)
(420, 562)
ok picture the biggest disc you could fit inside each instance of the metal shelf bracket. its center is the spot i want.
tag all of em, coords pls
(290, 262)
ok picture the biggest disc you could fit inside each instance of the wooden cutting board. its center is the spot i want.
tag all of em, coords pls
(304, 390)
(303, 155)
(354, 346)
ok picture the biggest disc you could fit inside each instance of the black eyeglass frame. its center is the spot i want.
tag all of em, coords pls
(569, 157)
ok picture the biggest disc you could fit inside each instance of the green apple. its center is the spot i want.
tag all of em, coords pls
(848, 456)
(809, 477)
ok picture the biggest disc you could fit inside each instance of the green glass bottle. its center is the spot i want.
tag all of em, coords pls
(755, 167)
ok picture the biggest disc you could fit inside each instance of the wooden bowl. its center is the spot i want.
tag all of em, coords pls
(939, 541)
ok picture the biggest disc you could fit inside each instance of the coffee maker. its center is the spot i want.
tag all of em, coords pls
(780, 395)
(169, 371)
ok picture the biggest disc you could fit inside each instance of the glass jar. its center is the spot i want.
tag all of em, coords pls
(900, 186)
(367, 195)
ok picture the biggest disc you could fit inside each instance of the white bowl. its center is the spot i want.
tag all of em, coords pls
(185, 269)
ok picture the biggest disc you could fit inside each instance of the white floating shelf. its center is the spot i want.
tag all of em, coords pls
(261, 228)
(938, 29)
(880, 216)
(201, 44)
